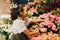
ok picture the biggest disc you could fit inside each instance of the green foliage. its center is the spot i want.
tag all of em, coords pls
(58, 27)
(59, 35)
(10, 22)
(33, 28)
(5, 32)
(55, 12)
(29, 15)
(6, 20)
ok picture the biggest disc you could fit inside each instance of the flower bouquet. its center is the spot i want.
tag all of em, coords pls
(50, 27)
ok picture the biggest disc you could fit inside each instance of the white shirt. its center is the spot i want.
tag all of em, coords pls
(18, 26)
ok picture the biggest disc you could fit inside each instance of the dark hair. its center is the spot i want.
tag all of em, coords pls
(15, 12)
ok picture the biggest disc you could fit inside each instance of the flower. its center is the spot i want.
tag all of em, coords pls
(43, 29)
(54, 28)
(43, 16)
(49, 24)
(30, 4)
(47, 8)
(44, 36)
(52, 18)
(57, 19)
(41, 25)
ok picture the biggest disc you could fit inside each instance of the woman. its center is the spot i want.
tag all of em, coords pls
(19, 29)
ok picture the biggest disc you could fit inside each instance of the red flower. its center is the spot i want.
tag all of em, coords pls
(47, 8)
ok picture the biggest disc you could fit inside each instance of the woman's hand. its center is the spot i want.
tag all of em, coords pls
(35, 35)
(29, 33)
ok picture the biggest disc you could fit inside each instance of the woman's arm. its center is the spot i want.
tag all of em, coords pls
(28, 33)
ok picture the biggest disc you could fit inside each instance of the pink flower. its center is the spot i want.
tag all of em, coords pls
(57, 19)
(43, 29)
(31, 4)
(43, 16)
(39, 38)
(49, 13)
(27, 6)
(54, 28)
(42, 24)
(36, 38)
(49, 24)
(52, 18)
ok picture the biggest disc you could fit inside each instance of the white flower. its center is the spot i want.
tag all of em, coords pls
(5, 16)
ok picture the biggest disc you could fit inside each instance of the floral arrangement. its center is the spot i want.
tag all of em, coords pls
(51, 24)
(51, 13)
(5, 31)
(5, 27)
(49, 29)
(44, 36)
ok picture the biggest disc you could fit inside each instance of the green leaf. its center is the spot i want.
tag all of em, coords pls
(59, 35)
(29, 15)
(33, 28)
(58, 26)
(55, 12)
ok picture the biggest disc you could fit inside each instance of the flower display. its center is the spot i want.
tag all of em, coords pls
(50, 23)
(44, 36)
